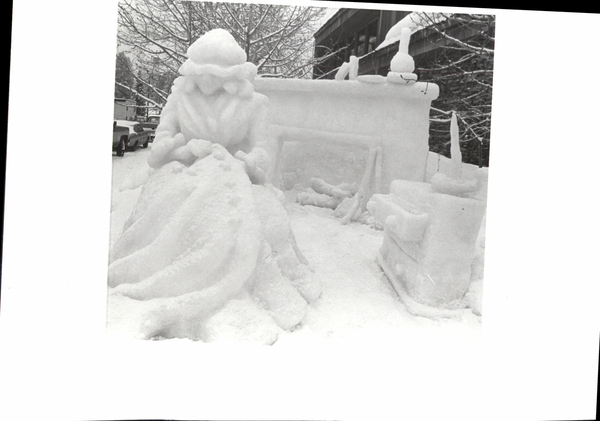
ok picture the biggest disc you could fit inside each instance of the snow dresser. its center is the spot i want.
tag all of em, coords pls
(430, 232)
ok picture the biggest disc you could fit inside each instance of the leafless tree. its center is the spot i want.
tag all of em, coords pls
(462, 65)
(124, 76)
(157, 34)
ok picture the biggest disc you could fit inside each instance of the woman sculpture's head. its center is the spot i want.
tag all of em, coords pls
(215, 61)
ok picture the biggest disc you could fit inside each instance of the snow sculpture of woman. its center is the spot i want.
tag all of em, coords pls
(214, 100)
(208, 238)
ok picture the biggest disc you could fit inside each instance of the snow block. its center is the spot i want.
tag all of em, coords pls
(408, 225)
(429, 240)
(312, 115)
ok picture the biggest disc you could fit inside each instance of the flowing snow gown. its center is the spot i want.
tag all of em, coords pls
(202, 237)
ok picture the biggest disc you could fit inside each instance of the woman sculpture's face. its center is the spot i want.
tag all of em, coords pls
(209, 84)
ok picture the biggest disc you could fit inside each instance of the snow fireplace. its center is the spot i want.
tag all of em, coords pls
(345, 117)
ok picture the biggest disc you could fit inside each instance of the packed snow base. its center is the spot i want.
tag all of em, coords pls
(358, 302)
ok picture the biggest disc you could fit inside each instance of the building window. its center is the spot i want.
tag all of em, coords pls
(372, 34)
(361, 36)
(367, 38)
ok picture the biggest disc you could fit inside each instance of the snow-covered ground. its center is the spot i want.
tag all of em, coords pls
(357, 303)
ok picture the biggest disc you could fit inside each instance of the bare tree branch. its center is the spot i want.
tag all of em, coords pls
(145, 98)
(463, 68)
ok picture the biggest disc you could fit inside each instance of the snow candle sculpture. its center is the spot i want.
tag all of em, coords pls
(208, 234)
(430, 231)
(402, 64)
(454, 184)
(455, 153)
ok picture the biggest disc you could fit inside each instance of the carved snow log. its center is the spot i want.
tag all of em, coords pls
(350, 187)
(378, 170)
(275, 175)
(297, 251)
(317, 199)
(359, 201)
(353, 72)
(320, 186)
(343, 71)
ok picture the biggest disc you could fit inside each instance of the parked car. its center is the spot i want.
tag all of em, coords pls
(120, 135)
(150, 125)
(137, 136)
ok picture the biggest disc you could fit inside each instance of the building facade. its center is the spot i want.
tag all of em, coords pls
(125, 109)
(355, 32)
(359, 32)
(454, 53)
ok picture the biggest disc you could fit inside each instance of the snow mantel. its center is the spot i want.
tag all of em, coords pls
(420, 90)
(368, 112)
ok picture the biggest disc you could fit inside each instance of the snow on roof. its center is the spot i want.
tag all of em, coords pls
(127, 122)
(329, 13)
(415, 21)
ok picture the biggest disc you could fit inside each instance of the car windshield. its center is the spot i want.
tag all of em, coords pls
(153, 119)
